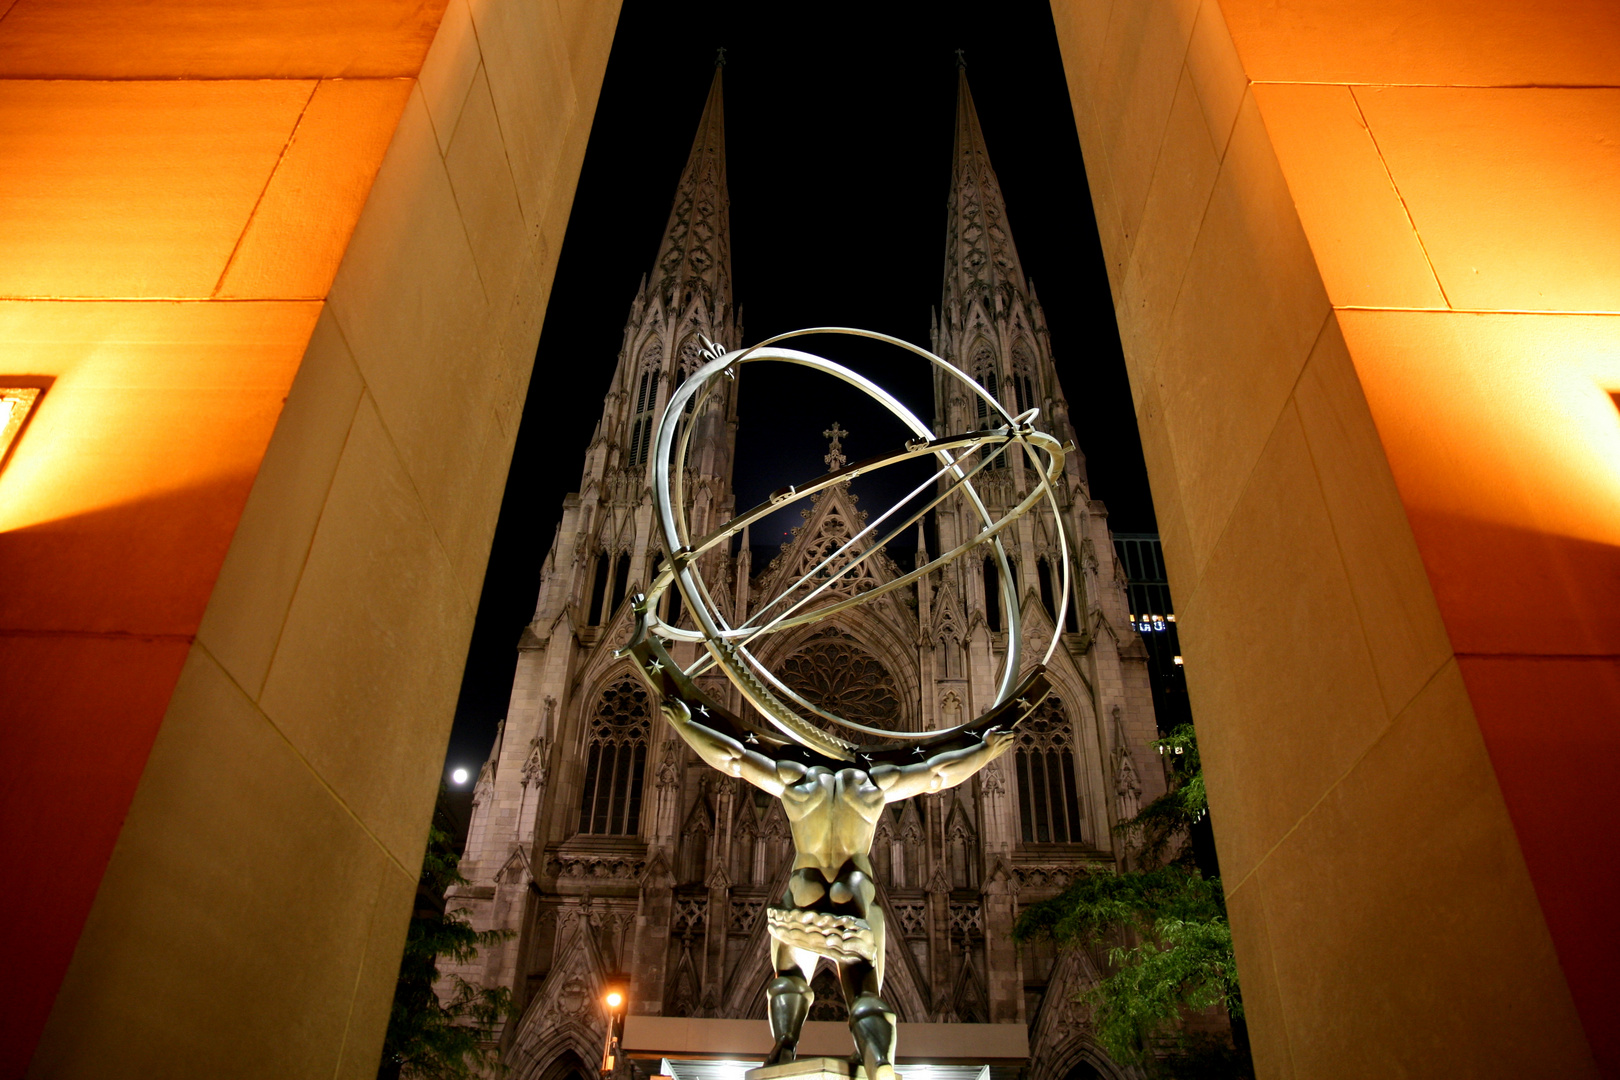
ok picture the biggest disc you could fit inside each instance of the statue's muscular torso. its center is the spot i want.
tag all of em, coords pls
(834, 810)
(833, 815)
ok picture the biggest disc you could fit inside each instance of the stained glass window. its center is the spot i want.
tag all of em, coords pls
(615, 762)
(1048, 800)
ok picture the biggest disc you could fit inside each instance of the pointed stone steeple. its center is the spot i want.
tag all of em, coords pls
(980, 257)
(685, 298)
(695, 254)
(990, 322)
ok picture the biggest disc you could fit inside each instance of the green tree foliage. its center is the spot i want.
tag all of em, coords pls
(1172, 817)
(1164, 932)
(429, 1038)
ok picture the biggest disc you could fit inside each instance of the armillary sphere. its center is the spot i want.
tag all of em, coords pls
(960, 458)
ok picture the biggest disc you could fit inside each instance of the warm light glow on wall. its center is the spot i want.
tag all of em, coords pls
(148, 400)
(1505, 419)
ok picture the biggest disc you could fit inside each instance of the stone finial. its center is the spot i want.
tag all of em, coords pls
(835, 450)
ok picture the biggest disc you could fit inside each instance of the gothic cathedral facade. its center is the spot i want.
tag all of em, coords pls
(609, 849)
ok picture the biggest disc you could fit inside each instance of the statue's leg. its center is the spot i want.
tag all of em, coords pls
(871, 1021)
(788, 998)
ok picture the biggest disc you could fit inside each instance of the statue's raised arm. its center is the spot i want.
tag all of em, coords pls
(942, 770)
(722, 751)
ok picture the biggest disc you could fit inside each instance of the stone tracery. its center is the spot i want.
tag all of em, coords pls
(615, 761)
(1048, 797)
(834, 672)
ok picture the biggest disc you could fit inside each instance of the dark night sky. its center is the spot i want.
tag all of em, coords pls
(838, 135)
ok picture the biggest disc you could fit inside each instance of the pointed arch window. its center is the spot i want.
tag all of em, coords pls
(1048, 799)
(672, 597)
(1050, 598)
(610, 804)
(961, 847)
(985, 374)
(1024, 378)
(691, 355)
(690, 359)
(599, 589)
(908, 869)
(694, 855)
(1043, 571)
(992, 594)
(745, 846)
(987, 379)
(883, 849)
(641, 426)
(621, 581)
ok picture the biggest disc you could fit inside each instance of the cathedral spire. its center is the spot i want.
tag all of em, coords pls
(695, 254)
(980, 258)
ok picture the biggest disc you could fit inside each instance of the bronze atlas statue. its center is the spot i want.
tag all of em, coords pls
(833, 776)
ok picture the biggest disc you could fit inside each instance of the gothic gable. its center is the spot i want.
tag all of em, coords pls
(830, 521)
(564, 1014)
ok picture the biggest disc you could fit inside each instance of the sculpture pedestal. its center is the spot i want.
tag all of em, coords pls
(811, 1068)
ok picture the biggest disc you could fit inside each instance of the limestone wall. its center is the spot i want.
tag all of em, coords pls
(286, 264)
(1362, 260)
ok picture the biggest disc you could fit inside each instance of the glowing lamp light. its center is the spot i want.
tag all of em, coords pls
(15, 404)
(613, 1001)
(459, 776)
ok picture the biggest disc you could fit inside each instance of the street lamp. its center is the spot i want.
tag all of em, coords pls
(615, 999)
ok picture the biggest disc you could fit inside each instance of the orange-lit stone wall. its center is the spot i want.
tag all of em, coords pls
(282, 265)
(1365, 257)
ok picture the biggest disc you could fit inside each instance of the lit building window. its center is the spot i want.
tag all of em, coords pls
(16, 402)
(611, 801)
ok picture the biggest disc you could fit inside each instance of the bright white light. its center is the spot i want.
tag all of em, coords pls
(459, 776)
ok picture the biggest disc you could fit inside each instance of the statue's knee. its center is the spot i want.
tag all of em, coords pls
(870, 1005)
(787, 984)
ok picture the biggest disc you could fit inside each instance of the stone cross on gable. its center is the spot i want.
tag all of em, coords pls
(835, 450)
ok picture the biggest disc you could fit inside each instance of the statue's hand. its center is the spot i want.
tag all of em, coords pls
(999, 740)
